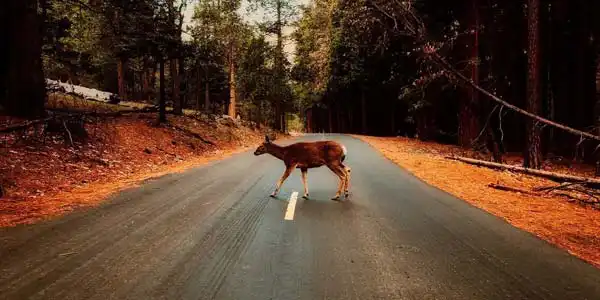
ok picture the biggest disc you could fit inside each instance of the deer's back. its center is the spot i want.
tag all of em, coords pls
(313, 154)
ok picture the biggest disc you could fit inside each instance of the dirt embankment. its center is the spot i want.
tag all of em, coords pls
(44, 175)
(552, 216)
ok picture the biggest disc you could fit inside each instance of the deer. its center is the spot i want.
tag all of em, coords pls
(308, 155)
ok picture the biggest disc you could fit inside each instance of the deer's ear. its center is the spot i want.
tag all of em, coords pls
(267, 139)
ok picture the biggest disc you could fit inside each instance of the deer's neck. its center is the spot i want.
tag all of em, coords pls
(275, 150)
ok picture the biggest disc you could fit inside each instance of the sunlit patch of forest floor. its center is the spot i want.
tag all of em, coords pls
(44, 174)
(555, 216)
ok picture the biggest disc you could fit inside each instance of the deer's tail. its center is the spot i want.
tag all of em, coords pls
(344, 153)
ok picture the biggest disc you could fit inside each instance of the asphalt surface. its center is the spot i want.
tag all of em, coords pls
(213, 233)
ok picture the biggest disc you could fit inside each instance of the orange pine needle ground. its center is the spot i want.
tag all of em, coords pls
(45, 180)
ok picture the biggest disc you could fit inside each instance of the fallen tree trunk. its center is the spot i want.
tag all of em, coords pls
(540, 173)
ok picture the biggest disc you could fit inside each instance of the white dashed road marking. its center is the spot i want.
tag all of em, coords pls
(291, 208)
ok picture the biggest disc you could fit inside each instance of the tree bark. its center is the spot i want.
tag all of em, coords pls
(121, 65)
(146, 80)
(468, 128)
(173, 70)
(363, 109)
(232, 87)
(279, 65)
(533, 154)
(206, 95)
(162, 104)
(330, 119)
(198, 89)
(182, 84)
(152, 94)
(23, 77)
(597, 111)
(309, 127)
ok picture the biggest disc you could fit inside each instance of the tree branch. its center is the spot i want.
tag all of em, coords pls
(441, 61)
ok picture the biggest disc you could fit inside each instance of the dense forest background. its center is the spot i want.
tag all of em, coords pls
(360, 66)
(363, 71)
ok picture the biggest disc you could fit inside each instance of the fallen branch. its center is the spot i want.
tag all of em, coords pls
(562, 186)
(68, 114)
(189, 132)
(24, 125)
(545, 174)
(446, 65)
(68, 132)
(165, 151)
(509, 189)
(572, 198)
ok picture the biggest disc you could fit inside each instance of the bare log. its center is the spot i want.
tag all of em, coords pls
(562, 186)
(540, 173)
(509, 189)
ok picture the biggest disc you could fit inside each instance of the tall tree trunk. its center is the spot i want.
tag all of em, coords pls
(338, 117)
(198, 89)
(330, 119)
(5, 30)
(309, 120)
(597, 110)
(279, 65)
(152, 94)
(182, 84)
(206, 95)
(121, 66)
(23, 76)
(162, 104)
(468, 127)
(393, 118)
(232, 86)
(363, 108)
(174, 72)
(146, 79)
(351, 126)
(533, 155)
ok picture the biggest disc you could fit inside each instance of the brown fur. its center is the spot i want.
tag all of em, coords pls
(307, 155)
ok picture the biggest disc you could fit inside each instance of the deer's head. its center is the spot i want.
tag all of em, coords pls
(262, 149)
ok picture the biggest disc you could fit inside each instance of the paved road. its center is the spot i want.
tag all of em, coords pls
(213, 233)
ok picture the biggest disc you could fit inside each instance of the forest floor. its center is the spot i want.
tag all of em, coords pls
(557, 216)
(44, 175)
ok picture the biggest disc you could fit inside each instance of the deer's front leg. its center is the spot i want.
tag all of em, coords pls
(305, 182)
(288, 171)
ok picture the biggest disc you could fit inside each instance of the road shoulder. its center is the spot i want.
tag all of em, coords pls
(567, 225)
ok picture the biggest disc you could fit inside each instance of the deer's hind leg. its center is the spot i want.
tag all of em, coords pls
(286, 174)
(347, 171)
(339, 171)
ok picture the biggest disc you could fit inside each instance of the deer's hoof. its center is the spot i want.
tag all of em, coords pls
(305, 196)
(273, 195)
(346, 194)
(336, 198)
